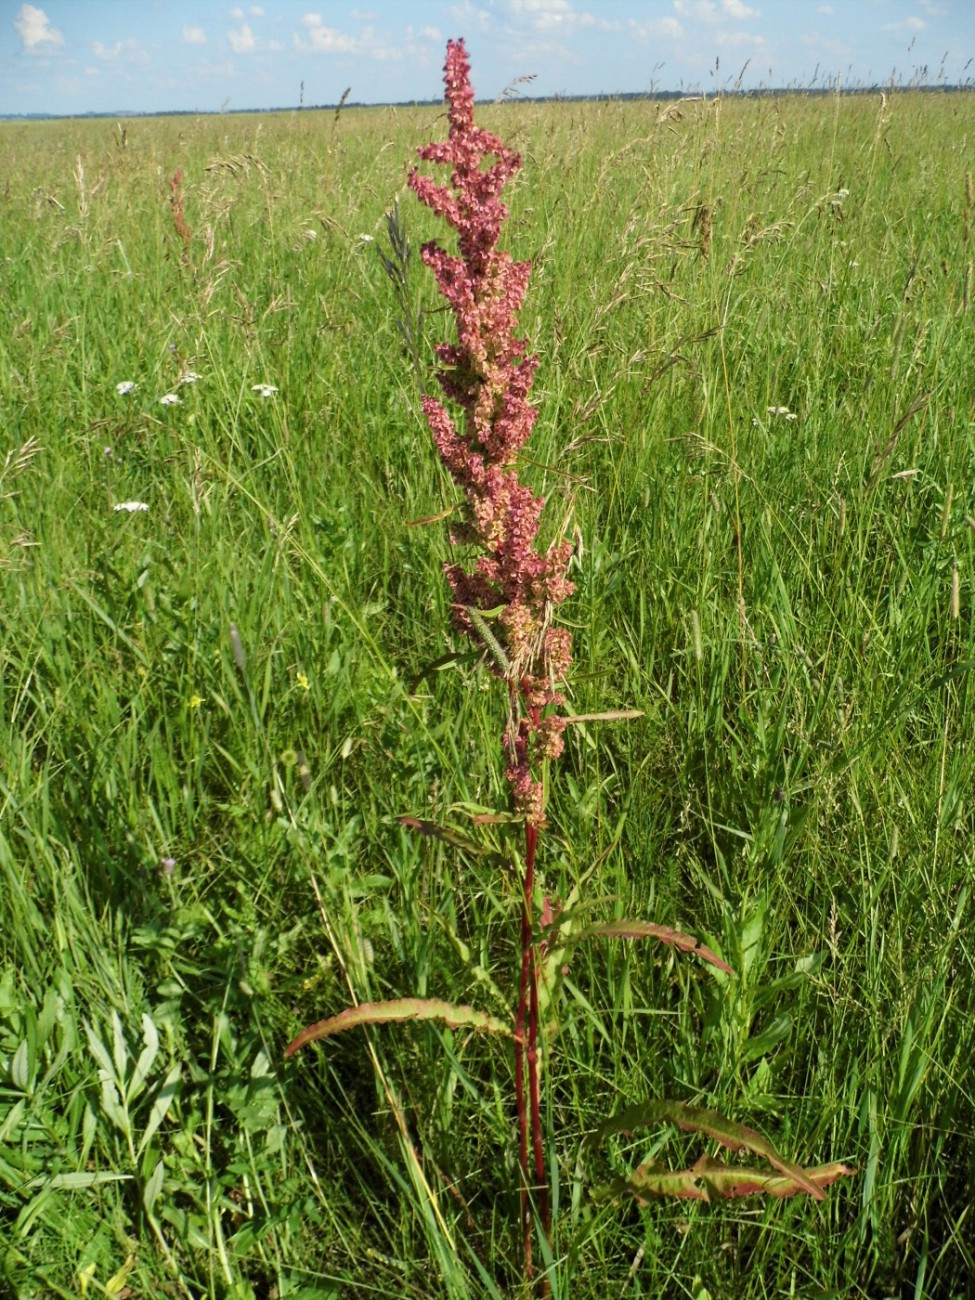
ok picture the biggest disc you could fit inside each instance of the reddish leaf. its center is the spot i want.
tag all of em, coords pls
(400, 1009)
(710, 1177)
(695, 1119)
(627, 929)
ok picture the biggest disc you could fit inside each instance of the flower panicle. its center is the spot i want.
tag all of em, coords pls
(487, 373)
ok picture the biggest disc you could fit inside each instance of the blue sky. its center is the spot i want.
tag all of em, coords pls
(77, 56)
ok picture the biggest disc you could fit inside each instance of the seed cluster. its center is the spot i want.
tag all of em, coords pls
(513, 584)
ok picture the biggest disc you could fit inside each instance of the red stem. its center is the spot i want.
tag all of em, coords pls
(520, 1087)
(531, 844)
(527, 1050)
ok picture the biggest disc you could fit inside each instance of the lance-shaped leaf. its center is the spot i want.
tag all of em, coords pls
(606, 715)
(627, 929)
(709, 1177)
(437, 666)
(695, 1119)
(400, 1009)
(447, 835)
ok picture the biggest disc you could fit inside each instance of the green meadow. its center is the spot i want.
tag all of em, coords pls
(757, 421)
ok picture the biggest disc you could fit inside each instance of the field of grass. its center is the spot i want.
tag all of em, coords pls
(215, 710)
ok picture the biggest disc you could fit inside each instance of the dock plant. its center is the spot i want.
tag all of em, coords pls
(506, 588)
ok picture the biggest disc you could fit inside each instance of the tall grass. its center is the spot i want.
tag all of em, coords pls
(200, 827)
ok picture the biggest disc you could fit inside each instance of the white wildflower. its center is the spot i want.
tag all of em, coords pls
(265, 390)
(126, 386)
(170, 399)
(366, 239)
(188, 377)
(132, 507)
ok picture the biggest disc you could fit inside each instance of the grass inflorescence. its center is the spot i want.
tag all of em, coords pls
(217, 709)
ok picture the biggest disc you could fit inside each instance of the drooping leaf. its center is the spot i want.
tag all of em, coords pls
(429, 519)
(397, 1010)
(696, 1119)
(607, 715)
(438, 666)
(629, 929)
(709, 1177)
(447, 835)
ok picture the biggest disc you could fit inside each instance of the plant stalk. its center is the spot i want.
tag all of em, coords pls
(526, 1051)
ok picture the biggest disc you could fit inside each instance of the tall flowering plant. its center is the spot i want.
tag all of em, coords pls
(504, 599)
(505, 591)
(488, 375)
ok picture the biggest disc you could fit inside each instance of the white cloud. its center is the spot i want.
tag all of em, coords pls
(130, 50)
(416, 34)
(256, 11)
(470, 17)
(34, 28)
(740, 38)
(237, 14)
(329, 40)
(544, 15)
(656, 29)
(555, 16)
(908, 25)
(826, 10)
(193, 36)
(241, 41)
(695, 9)
(708, 11)
(827, 47)
(736, 9)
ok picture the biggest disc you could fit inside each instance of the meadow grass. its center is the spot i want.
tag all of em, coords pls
(216, 710)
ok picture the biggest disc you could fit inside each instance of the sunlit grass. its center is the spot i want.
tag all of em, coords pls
(215, 709)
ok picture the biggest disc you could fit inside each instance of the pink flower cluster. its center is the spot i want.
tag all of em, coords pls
(513, 585)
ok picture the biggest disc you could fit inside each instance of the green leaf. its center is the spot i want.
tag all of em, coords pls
(120, 1050)
(154, 1183)
(448, 835)
(695, 1119)
(147, 1057)
(751, 930)
(20, 1071)
(762, 1044)
(606, 715)
(400, 1009)
(79, 1181)
(112, 1104)
(160, 1106)
(99, 1051)
(438, 666)
(627, 929)
(709, 1177)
